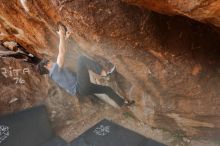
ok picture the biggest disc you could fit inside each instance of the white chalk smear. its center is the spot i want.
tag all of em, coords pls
(13, 100)
(26, 70)
(24, 5)
(19, 80)
(15, 74)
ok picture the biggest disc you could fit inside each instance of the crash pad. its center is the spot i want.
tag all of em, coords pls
(107, 133)
(55, 141)
(30, 127)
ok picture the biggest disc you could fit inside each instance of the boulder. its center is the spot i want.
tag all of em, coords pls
(170, 65)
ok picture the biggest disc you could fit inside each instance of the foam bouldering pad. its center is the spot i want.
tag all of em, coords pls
(107, 133)
(56, 141)
(30, 127)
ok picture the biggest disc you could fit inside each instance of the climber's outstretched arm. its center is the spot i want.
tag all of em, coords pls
(62, 46)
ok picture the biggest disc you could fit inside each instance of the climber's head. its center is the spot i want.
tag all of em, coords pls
(44, 66)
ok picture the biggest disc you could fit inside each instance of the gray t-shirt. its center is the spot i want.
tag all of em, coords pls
(64, 78)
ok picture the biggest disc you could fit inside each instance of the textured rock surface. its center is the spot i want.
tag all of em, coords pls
(20, 86)
(201, 10)
(170, 65)
(34, 29)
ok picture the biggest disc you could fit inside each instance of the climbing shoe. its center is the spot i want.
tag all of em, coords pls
(129, 102)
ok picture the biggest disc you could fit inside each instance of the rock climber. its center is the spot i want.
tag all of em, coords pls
(78, 83)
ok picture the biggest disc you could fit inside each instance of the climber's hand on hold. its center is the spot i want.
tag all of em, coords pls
(63, 33)
(62, 30)
(103, 73)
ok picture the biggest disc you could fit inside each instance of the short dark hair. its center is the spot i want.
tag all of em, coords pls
(41, 67)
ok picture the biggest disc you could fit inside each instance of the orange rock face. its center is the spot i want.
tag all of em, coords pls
(202, 10)
(169, 65)
(34, 28)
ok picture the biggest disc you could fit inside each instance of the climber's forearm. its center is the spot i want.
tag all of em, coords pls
(62, 52)
(62, 45)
